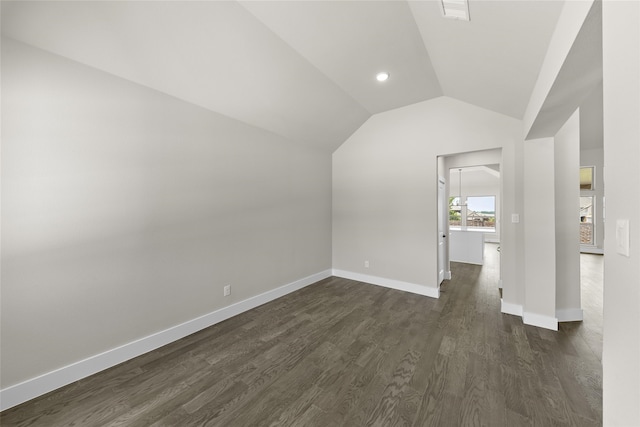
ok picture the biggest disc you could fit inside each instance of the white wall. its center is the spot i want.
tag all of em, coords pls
(621, 329)
(385, 185)
(512, 255)
(539, 234)
(567, 226)
(569, 74)
(591, 131)
(125, 211)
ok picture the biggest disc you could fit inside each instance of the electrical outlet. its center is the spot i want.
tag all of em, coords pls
(366, 264)
(227, 290)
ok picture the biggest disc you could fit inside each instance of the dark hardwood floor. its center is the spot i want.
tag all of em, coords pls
(344, 353)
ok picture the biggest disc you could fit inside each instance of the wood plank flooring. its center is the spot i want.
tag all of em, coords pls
(344, 353)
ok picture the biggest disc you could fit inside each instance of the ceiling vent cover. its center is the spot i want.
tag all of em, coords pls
(455, 9)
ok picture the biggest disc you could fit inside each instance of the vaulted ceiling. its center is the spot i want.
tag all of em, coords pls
(302, 69)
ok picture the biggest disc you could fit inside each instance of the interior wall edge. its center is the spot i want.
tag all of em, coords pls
(32, 388)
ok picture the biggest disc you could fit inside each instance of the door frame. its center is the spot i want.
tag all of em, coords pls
(443, 231)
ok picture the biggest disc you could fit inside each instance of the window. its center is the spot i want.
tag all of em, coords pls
(455, 212)
(481, 213)
(478, 213)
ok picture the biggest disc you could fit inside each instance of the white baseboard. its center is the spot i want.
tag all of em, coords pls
(540, 321)
(499, 283)
(570, 315)
(509, 308)
(432, 292)
(27, 390)
(447, 275)
(532, 319)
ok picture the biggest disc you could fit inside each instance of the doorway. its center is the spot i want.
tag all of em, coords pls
(442, 230)
(469, 208)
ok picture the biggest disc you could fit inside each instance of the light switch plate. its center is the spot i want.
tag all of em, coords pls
(515, 218)
(622, 237)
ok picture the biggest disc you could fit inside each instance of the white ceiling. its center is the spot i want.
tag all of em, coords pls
(579, 77)
(349, 41)
(493, 60)
(474, 177)
(301, 69)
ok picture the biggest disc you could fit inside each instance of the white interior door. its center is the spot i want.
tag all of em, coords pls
(442, 228)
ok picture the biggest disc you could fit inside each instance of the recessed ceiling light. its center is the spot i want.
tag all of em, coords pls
(383, 76)
(455, 9)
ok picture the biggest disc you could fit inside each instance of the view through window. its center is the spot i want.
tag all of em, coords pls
(479, 213)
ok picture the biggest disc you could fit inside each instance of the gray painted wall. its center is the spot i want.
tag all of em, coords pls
(539, 233)
(621, 328)
(385, 185)
(567, 226)
(125, 211)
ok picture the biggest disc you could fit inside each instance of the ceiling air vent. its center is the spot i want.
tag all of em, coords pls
(455, 9)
